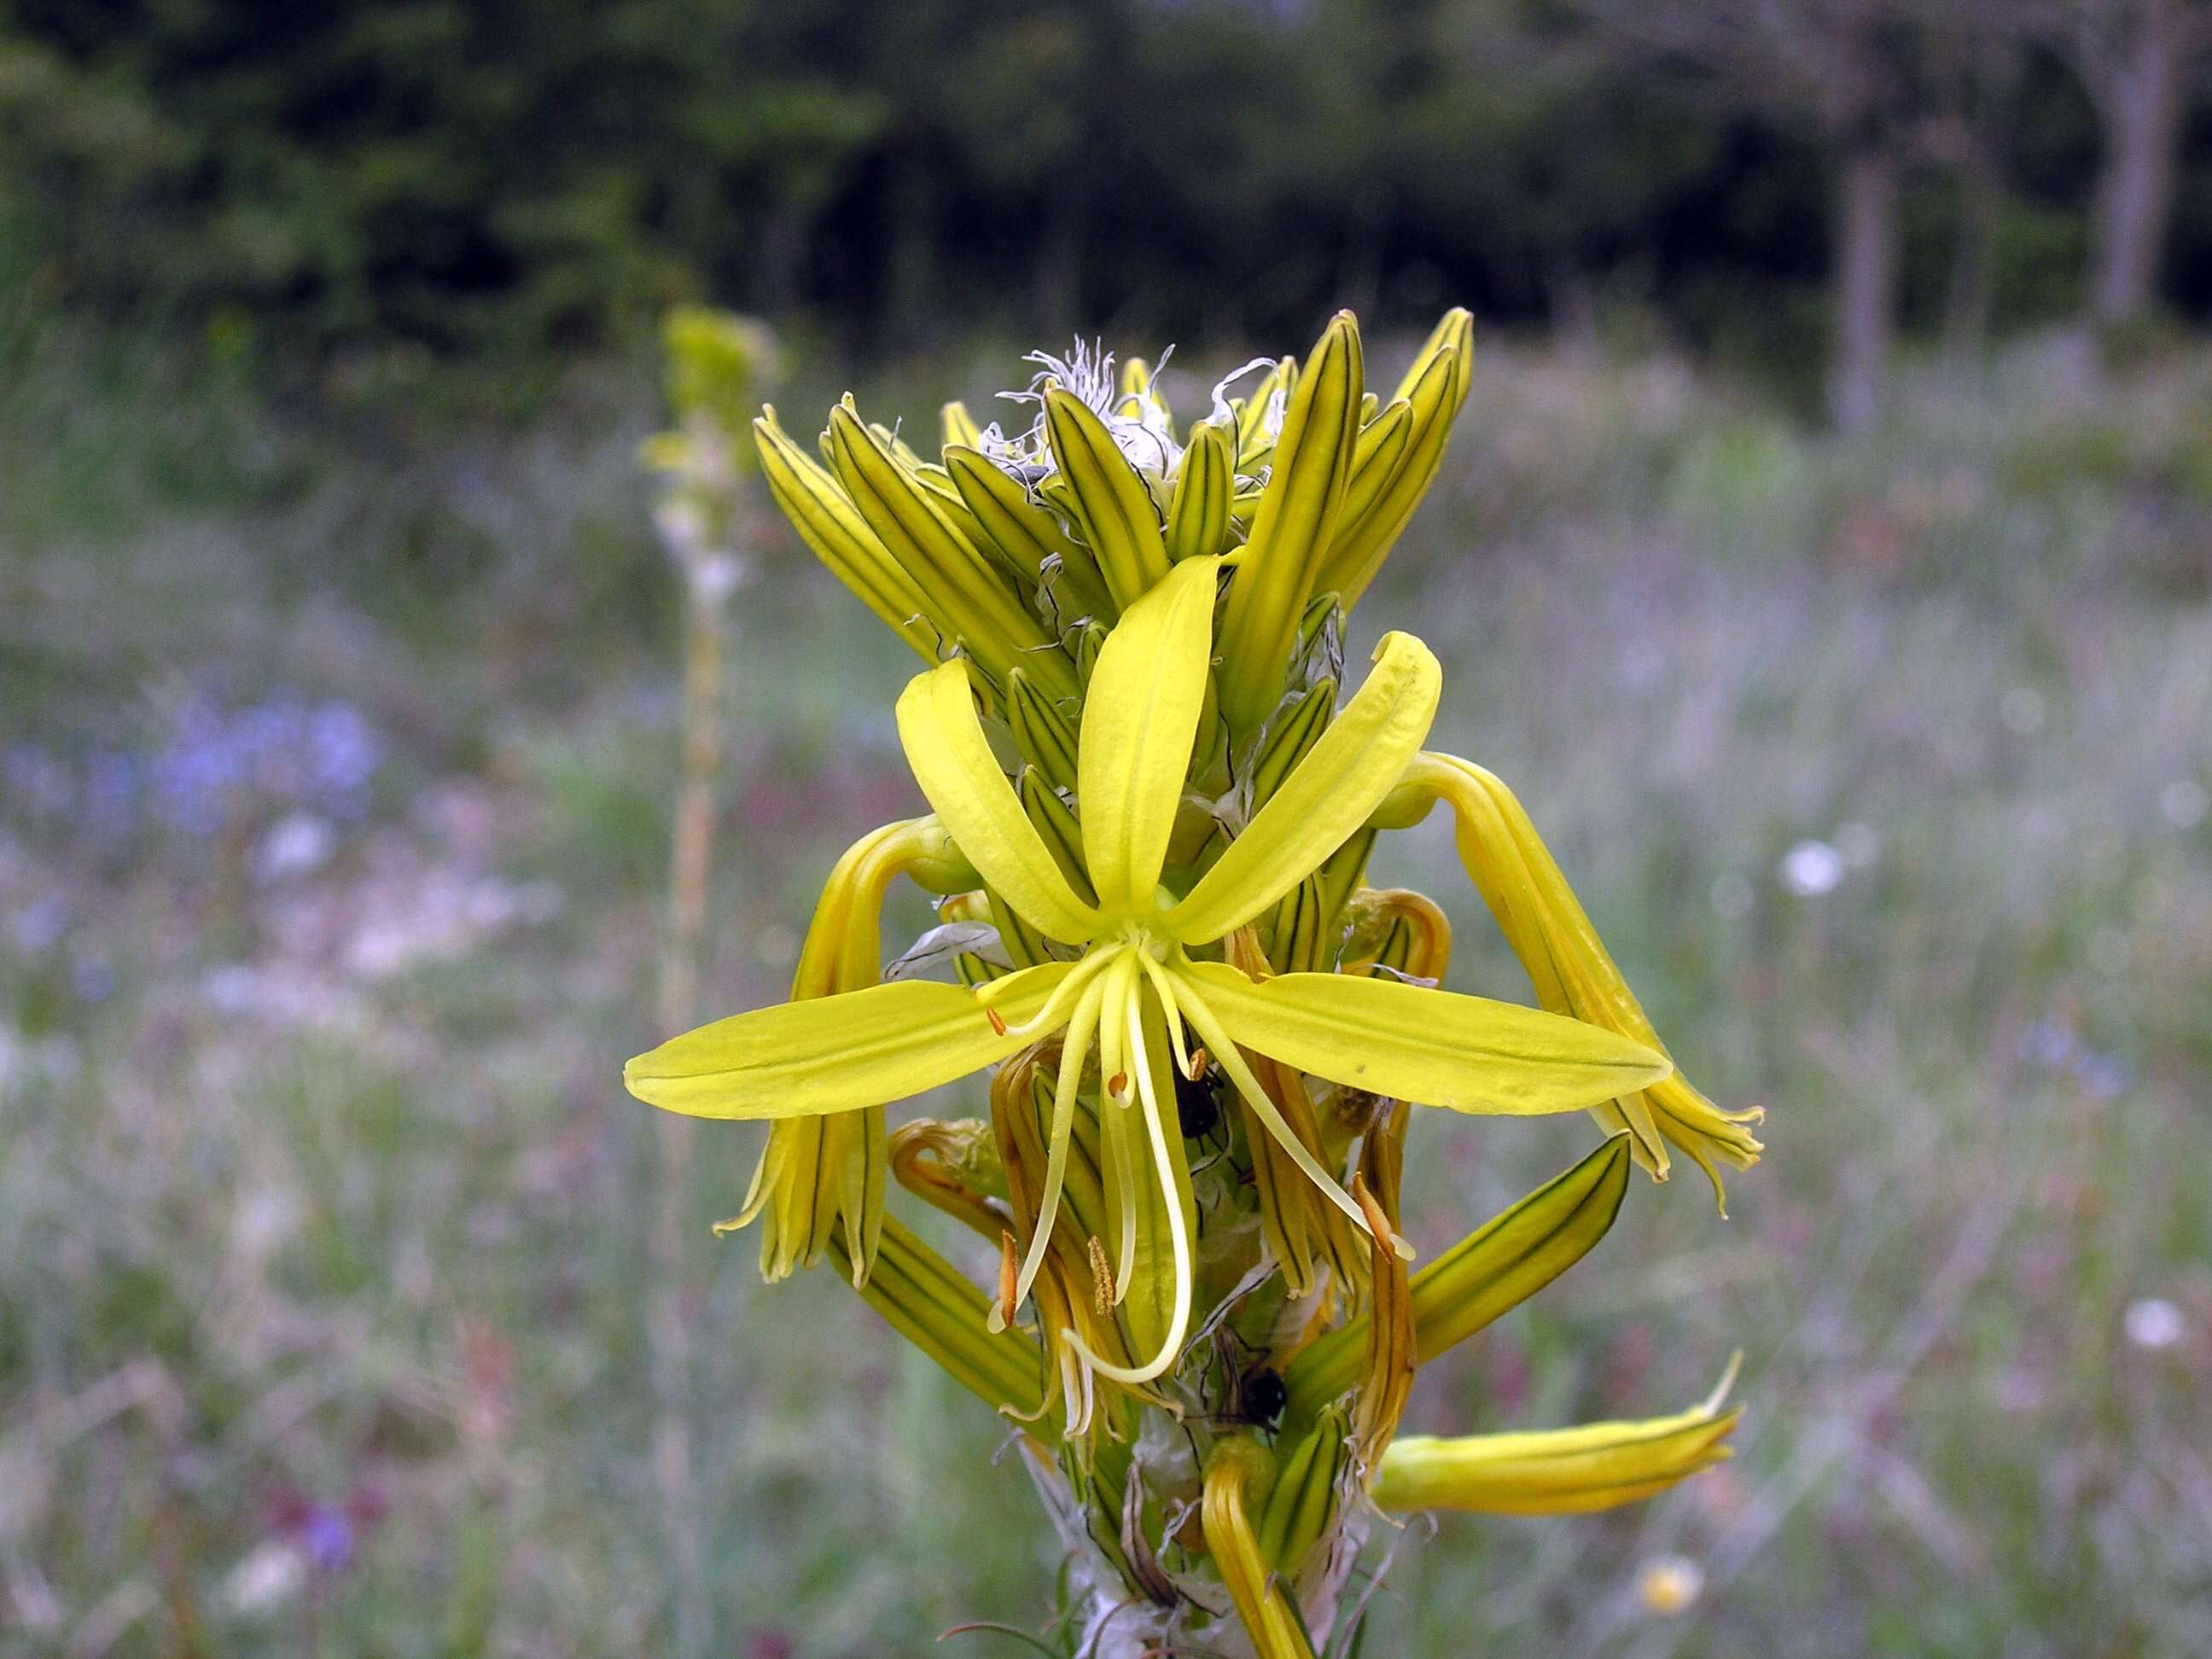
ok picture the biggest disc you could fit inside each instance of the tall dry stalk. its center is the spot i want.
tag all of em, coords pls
(715, 363)
(692, 854)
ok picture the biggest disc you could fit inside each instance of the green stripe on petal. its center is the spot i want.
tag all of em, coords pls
(1293, 528)
(928, 1302)
(1436, 388)
(1434, 1048)
(837, 1053)
(952, 761)
(987, 614)
(1375, 460)
(1455, 331)
(1496, 1267)
(1557, 1471)
(1198, 515)
(1109, 500)
(834, 531)
(1025, 533)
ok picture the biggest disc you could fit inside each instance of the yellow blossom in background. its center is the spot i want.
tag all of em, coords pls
(1669, 1585)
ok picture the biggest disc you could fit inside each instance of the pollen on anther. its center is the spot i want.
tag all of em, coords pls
(1118, 1085)
(1102, 1278)
(1198, 1066)
(997, 1020)
(1009, 1275)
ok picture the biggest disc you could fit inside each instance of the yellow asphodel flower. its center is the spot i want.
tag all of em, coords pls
(1137, 983)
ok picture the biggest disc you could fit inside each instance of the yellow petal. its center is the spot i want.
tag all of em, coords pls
(816, 1170)
(1557, 1471)
(1327, 795)
(953, 764)
(1190, 994)
(837, 1053)
(1568, 965)
(1433, 1047)
(1140, 716)
(959, 426)
(1240, 1477)
(1455, 331)
(1375, 459)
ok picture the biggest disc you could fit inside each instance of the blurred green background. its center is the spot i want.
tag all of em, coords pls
(1825, 557)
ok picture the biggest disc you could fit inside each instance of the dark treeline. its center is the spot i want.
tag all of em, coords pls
(504, 175)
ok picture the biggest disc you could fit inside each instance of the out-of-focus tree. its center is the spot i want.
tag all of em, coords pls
(443, 171)
(1852, 75)
(2136, 58)
(488, 178)
(1975, 53)
(1524, 125)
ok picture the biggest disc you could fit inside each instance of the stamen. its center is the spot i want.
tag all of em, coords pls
(1101, 1278)
(1178, 1236)
(1054, 1014)
(1165, 991)
(1118, 1085)
(1008, 1274)
(1124, 1266)
(1208, 1026)
(1075, 1383)
(1075, 1045)
(1114, 1127)
(997, 1020)
(1197, 1072)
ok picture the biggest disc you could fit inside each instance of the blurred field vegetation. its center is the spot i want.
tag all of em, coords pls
(337, 738)
(337, 794)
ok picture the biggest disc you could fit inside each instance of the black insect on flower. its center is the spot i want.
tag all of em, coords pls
(1260, 1396)
(1197, 1100)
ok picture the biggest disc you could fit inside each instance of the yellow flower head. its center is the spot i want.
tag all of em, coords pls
(1136, 983)
(1154, 788)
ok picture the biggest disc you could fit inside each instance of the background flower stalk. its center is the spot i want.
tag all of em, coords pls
(717, 364)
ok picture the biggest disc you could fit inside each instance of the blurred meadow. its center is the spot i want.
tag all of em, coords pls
(338, 748)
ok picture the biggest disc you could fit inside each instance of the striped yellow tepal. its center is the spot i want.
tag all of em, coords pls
(1558, 1471)
(1155, 786)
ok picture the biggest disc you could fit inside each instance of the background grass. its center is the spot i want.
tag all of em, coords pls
(335, 775)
